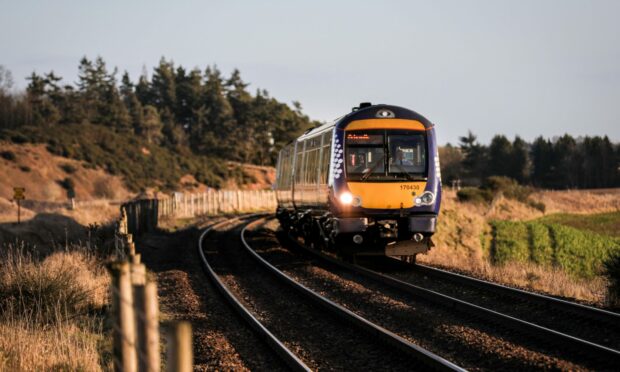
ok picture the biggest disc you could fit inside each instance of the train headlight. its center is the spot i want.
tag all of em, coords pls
(346, 198)
(425, 199)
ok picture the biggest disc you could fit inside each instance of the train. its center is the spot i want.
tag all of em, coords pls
(366, 184)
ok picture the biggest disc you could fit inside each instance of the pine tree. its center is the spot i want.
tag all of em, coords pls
(520, 164)
(500, 157)
(475, 158)
(152, 125)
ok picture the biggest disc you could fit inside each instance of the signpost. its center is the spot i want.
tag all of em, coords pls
(18, 195)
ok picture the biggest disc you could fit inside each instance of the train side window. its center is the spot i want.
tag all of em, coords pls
(299, 163)
(325, 157)
(286, 168)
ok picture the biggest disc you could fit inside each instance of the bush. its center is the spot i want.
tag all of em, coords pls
(508, 187)
(537, 205)
(19, 139)
(69, 185)
(24, 168)
(8, 155)
(612, 272)
(475, 195)
(68, 168)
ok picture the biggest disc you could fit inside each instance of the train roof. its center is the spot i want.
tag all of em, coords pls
(381, 111)
(367, 111)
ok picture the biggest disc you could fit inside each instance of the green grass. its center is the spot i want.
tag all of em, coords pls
(510, 242)
(541, 245)
(579, 252)
(602, 223)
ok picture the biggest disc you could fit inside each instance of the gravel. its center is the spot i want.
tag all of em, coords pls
(221, 339)
(317, 337)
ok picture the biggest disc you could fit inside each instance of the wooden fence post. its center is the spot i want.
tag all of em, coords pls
(180, 356)
(124, 331)
(148, 327)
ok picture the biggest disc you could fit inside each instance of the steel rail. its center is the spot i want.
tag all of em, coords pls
(426, 357)
(583, 310)
(286, 355)
(575, 343)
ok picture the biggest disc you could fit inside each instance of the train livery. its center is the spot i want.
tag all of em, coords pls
(367, 184)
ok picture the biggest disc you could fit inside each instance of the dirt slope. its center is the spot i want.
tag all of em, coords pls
(42, 173)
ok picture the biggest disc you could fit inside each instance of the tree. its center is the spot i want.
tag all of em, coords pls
(520, 164)
(451, 160)
(475, 158)
(543, 164)
(152, 126)
(500, 157)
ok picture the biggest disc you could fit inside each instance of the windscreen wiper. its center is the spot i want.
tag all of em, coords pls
(372, 169)
(407, 175)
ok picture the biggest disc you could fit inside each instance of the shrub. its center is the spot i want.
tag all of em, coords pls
(68, 168)
(475, 195)
(24, 168)
(537, 205)
(19, 138)
(69, 185)
(8, 155)
(612, 271)
(508, 187)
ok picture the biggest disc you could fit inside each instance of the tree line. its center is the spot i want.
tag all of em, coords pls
(558, 163)
(177, 108)
(211, 115)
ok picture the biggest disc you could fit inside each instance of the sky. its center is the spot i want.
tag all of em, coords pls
(523, 67)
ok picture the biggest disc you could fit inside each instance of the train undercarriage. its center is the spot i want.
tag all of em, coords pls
(351, 237)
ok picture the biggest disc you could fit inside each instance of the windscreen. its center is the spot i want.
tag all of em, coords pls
(384, 155)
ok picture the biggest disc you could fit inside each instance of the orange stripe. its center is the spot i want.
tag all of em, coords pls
(386, 124)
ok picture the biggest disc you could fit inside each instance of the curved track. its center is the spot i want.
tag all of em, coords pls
(375, 333)
(279, 348)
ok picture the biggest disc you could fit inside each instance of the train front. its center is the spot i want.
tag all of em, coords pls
(386, 182)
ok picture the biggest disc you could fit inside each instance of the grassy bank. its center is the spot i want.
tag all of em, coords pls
(511, 242)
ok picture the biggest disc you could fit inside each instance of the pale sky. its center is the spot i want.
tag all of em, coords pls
(509, 67)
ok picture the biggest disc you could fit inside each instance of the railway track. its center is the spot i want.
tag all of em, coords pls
(593, 324)
(588, 353)
(303, 321)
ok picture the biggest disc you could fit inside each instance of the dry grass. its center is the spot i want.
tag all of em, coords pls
(524, 275)
(579, 201)
(48, 310)
(61, 346)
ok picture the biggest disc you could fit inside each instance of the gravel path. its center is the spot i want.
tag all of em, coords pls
(468, 342)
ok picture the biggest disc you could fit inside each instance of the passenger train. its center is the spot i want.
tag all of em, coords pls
(368, 183)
